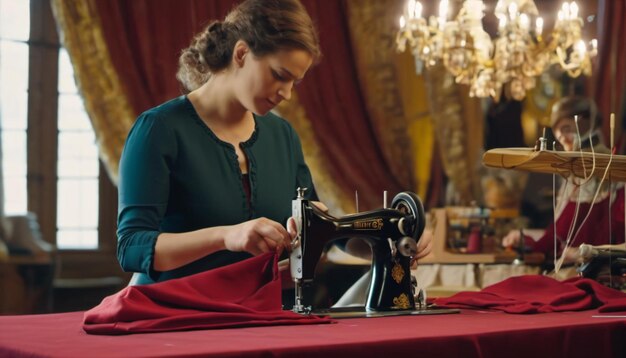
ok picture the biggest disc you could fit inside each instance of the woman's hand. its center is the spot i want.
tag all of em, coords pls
(257, 236)
(424, 247)
(291, 226)
(572, 255)
(511, 239)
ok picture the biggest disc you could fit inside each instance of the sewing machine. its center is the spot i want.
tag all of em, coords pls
(392, 233)
(605, 264)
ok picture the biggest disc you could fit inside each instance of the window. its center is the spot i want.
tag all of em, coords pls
(49, 156)
(77, 167)
(14, 33)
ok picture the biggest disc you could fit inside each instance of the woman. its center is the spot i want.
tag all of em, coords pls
(207, 178)
(577, 193)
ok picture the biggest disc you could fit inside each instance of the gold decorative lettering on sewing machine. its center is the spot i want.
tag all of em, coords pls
(376, 224)
(402, 302)
(397, 273)
(391, 232)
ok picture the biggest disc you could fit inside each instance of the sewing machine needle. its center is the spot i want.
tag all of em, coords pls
(385, 199)
(356, 198)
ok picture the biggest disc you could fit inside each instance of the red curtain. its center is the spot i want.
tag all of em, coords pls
(611, 42)
(333, 101)
(146, 37)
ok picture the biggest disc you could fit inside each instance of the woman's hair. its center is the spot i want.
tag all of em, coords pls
(583, 107)
(265, 25)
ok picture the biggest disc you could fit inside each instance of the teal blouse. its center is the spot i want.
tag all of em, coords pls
(175, 175)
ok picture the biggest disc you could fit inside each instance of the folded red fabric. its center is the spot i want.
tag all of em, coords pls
(540, 294)
(244, 294)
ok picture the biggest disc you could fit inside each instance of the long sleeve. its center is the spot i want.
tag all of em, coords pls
(594, 231)
(143, 192)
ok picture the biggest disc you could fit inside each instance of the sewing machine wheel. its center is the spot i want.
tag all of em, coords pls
(409, 203)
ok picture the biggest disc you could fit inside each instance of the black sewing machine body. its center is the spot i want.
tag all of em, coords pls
(607, 266)
(392, 233)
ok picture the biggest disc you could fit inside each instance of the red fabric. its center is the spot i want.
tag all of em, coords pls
(540, 294)
(247, 293)
(470, 334)
(595, 230)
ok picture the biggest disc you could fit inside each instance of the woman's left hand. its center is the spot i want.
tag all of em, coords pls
(572, 255)
(424, 247)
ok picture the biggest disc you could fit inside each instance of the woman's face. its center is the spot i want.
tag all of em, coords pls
(264, 82)
(565, 132)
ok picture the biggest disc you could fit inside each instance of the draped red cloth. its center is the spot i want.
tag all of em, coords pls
(144, 39)
(247, 293)
(540, 294)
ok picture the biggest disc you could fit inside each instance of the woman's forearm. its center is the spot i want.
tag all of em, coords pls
(173, 250)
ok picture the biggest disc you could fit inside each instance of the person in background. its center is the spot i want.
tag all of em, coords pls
(207, 179)
(578, 194)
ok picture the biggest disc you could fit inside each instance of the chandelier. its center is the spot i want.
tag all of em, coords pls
(512, 60)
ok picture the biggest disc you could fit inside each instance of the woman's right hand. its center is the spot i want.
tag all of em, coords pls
(511, 239)
(257, 237)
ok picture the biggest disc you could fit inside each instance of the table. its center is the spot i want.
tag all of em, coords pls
(26, 284)
(467, 334)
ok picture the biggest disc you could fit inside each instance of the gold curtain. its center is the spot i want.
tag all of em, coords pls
(459, 132)
(410, 111)
(398, 110)
(98, 82)
(420, 126)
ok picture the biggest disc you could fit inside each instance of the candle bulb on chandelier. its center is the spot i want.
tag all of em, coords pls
(410, 9)
(443, 13)
(581, 47)
(513, 11)
(564, 13)
(502, 24)
(414, 9)
(538, 26)
(524, 22)
(573, 10)
(417, 10)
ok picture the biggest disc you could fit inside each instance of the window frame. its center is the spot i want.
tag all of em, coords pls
(42, 147)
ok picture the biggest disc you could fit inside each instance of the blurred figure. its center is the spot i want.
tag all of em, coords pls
(575, 197)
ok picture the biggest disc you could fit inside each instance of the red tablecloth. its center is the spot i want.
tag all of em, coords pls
(468, 334)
